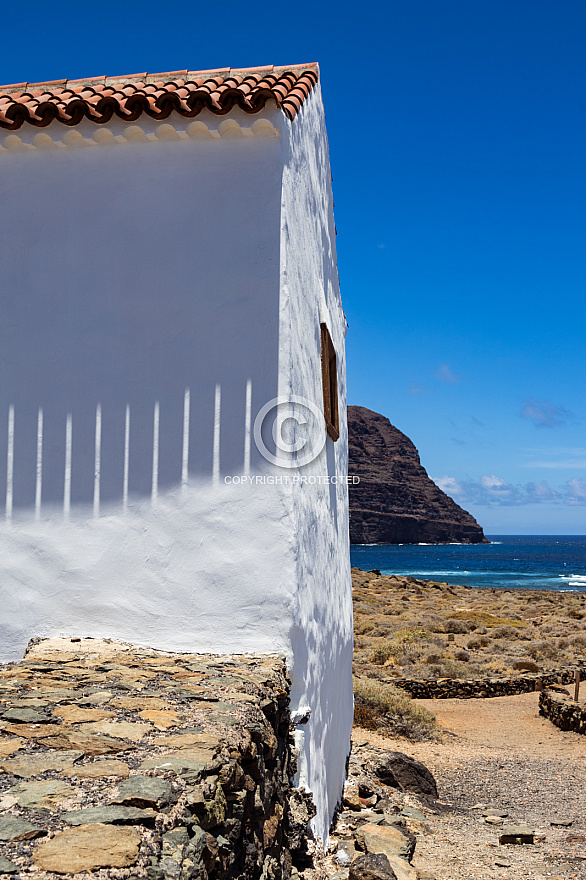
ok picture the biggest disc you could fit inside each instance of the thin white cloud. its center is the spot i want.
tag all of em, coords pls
(541, 492)
(493, 491)
(545, 414)
(575, 492)
(445, 374)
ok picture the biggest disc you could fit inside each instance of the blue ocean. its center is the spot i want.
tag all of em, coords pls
(525, 562)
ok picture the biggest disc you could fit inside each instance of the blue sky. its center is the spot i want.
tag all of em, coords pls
(458, 143)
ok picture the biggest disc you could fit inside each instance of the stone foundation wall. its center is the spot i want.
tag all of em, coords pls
(148, 765)
(562, 711)
(445, 688)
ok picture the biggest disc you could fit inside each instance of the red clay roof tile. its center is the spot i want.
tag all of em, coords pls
(157, 95)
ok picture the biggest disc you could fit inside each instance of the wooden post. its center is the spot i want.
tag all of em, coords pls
(576, 684)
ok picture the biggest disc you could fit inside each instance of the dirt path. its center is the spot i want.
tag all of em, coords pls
(499, 752)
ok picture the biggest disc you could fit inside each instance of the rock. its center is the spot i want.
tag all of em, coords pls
(132, 730)
(518, 834)
(395, 501)
(210, 812)
(140, 703)
(33, 765)
(78, 714)
(526, 666)
(7, 867)
(388, 840)
(161, 718)
(385, 805)
(500, 863)
(351, 797)
(345, 852)
(172, 849)
(407, 774)
(96, 699)
(88, 848)
(25, 716)
(494, 820)
(205, 741)
(114, 815)
(194, 761)
(561, 823)
(34, 731)
(374, 866)
(89, 743)
(412, 813)
(43, 795)
(144, 791)
(9, 746)
(98, 769)
(182, 856)
(13, 828)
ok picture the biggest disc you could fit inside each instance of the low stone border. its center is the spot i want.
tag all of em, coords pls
(562, 711)
(445, 688)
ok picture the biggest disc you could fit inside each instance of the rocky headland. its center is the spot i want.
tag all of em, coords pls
(396, 502)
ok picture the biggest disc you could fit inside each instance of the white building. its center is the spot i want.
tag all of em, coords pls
(169, 260)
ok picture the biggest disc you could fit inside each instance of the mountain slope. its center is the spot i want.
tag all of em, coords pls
(396, 502)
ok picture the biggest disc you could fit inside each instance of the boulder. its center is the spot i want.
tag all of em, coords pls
(374, 866)
(405, 773)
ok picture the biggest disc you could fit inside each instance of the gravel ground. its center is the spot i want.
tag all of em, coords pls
(499, 752)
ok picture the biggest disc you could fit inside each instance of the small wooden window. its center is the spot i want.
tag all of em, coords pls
(329, 373)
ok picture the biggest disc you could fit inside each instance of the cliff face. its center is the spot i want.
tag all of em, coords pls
(396, 502)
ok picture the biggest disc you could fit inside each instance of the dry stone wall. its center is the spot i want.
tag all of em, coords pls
(147, 765)
(563, 711)
(446, 688)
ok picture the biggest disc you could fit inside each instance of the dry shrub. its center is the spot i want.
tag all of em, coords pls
(579, 641)
(477, 642)
(462, 655)
(403, 646)
(486, 619)
(434, 659)
(362, 627)
(446, 667)
(575, 614)
(382, 654)
(389, 710)
(543, 650)
(456, 626)
(505, 632)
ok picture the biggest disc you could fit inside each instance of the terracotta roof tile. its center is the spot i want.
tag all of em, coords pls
(188, 92)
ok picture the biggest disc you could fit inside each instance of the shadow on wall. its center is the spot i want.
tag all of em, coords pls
(97, 422)
(132, 277)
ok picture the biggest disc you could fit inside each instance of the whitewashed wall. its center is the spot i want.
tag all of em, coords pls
(161, 284)
(322, 632)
